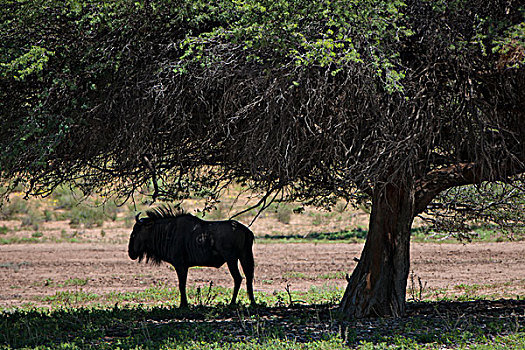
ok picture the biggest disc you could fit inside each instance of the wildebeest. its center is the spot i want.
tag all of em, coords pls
(184, 240)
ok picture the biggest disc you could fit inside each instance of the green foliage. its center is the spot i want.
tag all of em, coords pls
(86, 47)
(29, 63)
(478, 211)
(305, 33)
(80, 76)
(511, 47)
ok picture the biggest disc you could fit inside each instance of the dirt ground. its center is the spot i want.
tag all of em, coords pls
(30, 271)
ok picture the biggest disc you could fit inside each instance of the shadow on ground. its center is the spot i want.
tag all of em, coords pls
(130, 326)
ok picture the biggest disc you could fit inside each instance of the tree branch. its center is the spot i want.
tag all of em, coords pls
(460, 174)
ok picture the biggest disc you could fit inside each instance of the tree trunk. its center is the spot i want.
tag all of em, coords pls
(377, 286)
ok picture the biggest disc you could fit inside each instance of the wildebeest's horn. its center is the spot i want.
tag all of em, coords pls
(137, 217)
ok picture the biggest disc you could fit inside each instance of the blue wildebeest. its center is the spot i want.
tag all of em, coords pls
(184, 240)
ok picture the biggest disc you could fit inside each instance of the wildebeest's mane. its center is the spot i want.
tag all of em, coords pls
(164, 212)
(159, 234)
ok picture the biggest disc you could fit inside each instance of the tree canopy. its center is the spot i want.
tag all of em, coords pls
(323, 97)
(310, 100)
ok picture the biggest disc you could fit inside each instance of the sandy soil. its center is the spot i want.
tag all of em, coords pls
(30, 271)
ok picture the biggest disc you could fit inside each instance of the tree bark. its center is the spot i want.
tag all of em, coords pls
(377, 286)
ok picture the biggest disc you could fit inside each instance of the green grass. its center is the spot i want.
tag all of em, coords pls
(150, 319)
(15, 240)
(358, 235)
(67, 283)
(205, 296)
(3, 230)
(325, 276)
(354, 236)
(266, 328)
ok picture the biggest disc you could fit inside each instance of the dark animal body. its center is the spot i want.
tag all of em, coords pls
(184, 240)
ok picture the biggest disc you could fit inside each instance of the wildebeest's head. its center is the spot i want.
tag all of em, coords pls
(138, 238)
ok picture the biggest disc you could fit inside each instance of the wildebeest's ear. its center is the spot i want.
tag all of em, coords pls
(137, 220)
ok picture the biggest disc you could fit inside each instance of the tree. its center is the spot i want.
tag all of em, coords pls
(382, 100)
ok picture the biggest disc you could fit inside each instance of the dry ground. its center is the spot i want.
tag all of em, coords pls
(29, 271)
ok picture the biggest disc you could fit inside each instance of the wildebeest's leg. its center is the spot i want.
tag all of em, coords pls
(247, 264)
(182, 274)
(237, 279)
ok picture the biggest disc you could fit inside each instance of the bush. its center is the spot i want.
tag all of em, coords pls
(65, 198)
(284, 214)
(15, 206)
(87, 216)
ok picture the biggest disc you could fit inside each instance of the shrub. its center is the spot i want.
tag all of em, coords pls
(284, 214)
(16, 205)
(87, 216)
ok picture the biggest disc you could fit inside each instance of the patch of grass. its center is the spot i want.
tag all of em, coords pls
(357, 235)
(16, 240)
(49, 215)
(67, 283)
(208, 295)
(149, 295)
(311, 326)
(75, 282)
(467, 287)
(294, 274)
(326, 294)
(37, 234)
(68, 298)
(284, 319)
(318, 219)
(332, 275)
(325, 276)
(69, 204)
(3, 230)
(158, 327)
(513, 341)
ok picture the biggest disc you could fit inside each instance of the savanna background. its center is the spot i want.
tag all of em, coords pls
(66, 281)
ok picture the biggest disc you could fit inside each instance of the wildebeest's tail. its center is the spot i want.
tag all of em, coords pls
(247, 261)
(249, 235)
